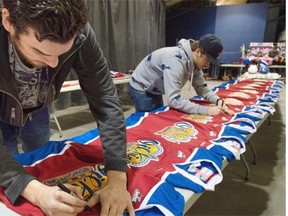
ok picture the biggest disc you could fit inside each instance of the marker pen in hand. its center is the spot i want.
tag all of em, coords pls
(67, 190)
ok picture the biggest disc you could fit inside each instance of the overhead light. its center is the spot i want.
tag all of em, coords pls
(169, 3)
(230, 2)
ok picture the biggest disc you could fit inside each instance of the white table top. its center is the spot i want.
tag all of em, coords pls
(73, 85)
(277, 66)
(232, 65)
(242, 65)
(6, 211)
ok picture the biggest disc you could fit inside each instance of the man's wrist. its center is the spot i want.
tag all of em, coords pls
(217, 101)
(31, 190)
(114, 175)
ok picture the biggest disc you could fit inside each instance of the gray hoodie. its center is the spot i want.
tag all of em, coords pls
(166, 71)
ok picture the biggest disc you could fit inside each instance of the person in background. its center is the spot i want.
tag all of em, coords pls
(40, 42)
(166, 71)
(282, 37)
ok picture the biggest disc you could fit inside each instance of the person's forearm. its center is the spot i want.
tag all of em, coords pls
(118, 176)
(31, 190)
(188, 106)
(208, 94)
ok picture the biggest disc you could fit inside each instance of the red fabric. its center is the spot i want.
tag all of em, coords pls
(160, 141)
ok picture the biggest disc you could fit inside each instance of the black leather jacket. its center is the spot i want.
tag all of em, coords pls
(87, 59)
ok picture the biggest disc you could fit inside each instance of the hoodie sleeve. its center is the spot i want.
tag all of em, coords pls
(201, 88)
(173, 76)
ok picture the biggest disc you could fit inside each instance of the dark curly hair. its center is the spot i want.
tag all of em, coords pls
(55, 20)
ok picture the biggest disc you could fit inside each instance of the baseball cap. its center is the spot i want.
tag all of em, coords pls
(212, 47)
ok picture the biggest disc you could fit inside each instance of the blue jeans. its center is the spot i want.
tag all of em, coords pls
(145, 101)
(35, 132)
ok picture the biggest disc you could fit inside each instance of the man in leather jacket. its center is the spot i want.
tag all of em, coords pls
(40, 42)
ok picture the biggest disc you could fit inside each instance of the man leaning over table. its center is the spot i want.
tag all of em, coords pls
(166, 71)
(40, 41)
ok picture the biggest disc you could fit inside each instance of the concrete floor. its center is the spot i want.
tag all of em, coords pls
(263, 194)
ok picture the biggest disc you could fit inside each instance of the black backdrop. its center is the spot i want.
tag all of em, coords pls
(127, 30)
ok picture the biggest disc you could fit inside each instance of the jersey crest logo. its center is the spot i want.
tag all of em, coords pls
(179, 132)
(90, 179)
(204, 119)
(239, 94)
(251, 91)
(140, 153)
